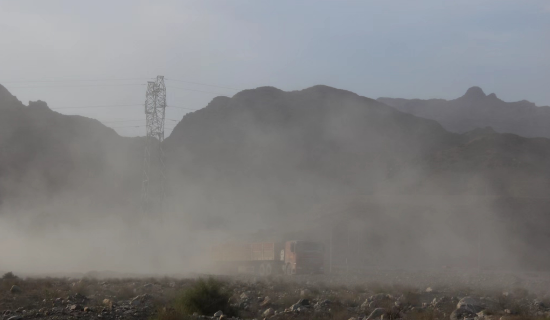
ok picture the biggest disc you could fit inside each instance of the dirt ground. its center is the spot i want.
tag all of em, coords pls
(380, 294)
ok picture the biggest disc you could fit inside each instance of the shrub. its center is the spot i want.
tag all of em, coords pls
(205, 297)
(9, 276)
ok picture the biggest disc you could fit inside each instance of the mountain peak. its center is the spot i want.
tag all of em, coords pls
(6, 97)
(474, 93)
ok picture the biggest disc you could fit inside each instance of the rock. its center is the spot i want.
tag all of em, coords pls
(298, 305)
(461, 313)
(378, 297)
(376, 313)
(148, 286)
(15, 289)
(15, 318)
(76, 307)
(472, 305)
(268, 313)
(244, 296)
(429, 289)
(436, 302)
(322, 304)
(140, 299)
(266, 302)
(218, 314)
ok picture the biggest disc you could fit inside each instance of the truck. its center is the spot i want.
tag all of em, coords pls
(267, 258)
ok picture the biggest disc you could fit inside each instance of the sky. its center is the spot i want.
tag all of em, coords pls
(78, 55)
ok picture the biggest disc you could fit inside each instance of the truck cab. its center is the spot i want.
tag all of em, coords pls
(303, 257)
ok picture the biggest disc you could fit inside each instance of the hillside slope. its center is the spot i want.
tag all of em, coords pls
(44, 154)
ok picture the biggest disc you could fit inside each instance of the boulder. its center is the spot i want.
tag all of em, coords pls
(471, 304)
(138, 300)
(462, 313)
(378, 297)
(266, 302)
(322, 304)
(218, 314)
(268, 312)
(244, 296)
(300, 305)
(15, 289)
(76, 307)
(376, 313)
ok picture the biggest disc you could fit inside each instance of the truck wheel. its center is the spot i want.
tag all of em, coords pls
(261, 270)
(268, 269)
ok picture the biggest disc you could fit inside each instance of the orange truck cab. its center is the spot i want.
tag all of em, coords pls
(303, 257)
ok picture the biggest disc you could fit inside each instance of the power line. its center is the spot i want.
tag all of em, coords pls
(76, 80)
(115, 121)
(117, 106)
(196, 90)
(183, 108)
(106, 106)
(204, 84)
(85, 85)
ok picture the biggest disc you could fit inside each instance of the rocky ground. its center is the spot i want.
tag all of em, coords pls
(378, 295)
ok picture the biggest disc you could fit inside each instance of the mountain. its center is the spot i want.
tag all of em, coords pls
(270, 159)
(290, 149)
(475, 109)
(44, 154)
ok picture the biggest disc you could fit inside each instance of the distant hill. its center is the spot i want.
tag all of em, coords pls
(475, 109)
(44, 154)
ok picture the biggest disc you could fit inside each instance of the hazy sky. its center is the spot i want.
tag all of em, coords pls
(411, 49)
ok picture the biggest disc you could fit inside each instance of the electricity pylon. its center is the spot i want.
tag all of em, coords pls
(154, 168)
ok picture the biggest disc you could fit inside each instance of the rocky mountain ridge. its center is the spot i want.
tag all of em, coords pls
(475, 109)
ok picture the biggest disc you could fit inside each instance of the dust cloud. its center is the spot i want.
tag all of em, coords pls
(320, 164)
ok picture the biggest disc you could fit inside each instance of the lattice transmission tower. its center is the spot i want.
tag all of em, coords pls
(154, 169)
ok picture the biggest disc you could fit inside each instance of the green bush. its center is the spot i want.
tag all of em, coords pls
(205, 297)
